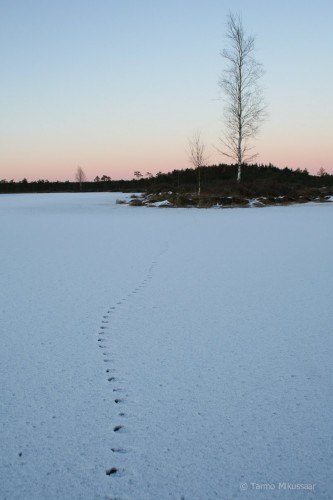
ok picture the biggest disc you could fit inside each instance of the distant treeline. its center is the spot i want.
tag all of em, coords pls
(45, 186)
(257, 180)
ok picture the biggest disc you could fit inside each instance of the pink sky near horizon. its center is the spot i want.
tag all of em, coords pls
(294, 151)
(123, 167)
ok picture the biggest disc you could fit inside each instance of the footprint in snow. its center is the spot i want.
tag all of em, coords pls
(118, 450)
(111, 471)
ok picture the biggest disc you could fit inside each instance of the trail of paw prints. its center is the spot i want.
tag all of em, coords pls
(104, 343)
(150, 273)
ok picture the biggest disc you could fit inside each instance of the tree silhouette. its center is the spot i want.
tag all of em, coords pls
(80, 176)
(245, 108)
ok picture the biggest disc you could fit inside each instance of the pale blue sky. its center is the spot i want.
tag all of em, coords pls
(118, 86)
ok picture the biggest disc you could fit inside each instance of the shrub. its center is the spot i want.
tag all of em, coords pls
(136, 202)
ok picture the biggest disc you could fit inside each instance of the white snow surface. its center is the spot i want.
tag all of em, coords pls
(213, 326)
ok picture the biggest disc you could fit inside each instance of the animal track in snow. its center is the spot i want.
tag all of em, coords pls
(104, 343)
(118, 450)
(111, 471)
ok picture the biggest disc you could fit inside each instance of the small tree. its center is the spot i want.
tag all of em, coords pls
(321, 172)
(197, 155)
(105, 178)
(80, 176)
(245, 109)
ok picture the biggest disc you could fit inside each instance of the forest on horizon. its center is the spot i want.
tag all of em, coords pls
(216, 179)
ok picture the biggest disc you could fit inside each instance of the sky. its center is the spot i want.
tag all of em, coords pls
(120, 86)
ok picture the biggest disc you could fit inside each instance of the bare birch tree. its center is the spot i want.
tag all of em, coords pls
(245, 108)
(197, 155)
(80, 176)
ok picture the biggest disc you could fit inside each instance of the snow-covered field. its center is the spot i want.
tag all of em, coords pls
(188, 353)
